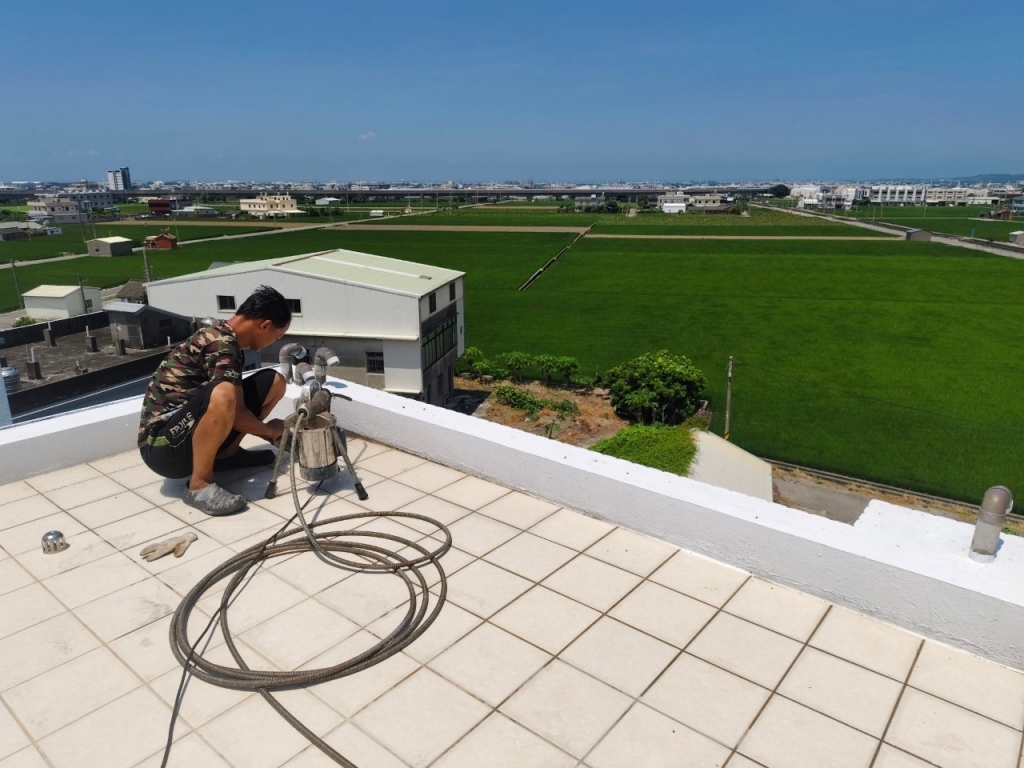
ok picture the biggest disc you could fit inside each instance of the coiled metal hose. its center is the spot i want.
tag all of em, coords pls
(346, 549)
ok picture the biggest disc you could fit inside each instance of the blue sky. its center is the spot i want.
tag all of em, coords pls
(485, 91)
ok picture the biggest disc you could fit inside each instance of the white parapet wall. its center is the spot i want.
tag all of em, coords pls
(901, 566)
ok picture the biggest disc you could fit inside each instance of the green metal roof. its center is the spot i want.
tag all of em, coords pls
(348, 267)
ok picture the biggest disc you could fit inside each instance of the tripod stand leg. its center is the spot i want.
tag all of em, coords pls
(272, 485)
(339, 444)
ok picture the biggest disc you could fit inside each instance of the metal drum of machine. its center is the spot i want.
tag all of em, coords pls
(317, 450)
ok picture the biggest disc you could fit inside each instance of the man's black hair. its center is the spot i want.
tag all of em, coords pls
(265, 303)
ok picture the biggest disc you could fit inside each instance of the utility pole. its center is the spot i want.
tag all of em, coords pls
(81, 287)
(728, 400)
(17, 288)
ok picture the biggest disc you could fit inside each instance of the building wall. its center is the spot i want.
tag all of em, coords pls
(100, 248)
(402, 370)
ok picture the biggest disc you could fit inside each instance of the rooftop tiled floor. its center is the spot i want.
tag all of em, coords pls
(565, 642)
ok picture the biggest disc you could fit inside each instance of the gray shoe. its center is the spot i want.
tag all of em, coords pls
(214, 500)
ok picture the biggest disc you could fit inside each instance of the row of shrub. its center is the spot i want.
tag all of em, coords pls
(520, 366)
(521, 400)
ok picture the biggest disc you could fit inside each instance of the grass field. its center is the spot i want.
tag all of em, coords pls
(70, 240)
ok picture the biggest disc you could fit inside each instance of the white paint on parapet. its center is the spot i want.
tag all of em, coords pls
(719, 462)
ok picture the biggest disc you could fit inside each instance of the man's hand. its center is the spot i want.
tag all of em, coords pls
(274, 429)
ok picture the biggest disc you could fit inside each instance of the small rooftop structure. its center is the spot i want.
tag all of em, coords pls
(164, 241)
(110, 246)
(52, 302)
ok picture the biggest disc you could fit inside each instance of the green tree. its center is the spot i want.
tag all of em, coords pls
(657, 387)
(612, 206)
(642, 201)
(779, 190)
(515, 362)
(547, 365)
(568, 367)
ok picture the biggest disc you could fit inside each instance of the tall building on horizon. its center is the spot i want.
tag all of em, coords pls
(119, 180)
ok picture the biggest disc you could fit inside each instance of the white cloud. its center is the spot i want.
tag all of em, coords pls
(368, 136)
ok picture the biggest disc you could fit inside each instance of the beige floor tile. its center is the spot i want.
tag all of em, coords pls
(25, 510)
(708, 699)
(700, 577)
(15, 491)
(778, 608)
(134, 477)
(299, 633)
(546, 619)
(500, 743)
(390, 463)
(485, 589)
(355, 745)
(419, 734)
(348, 695)
(265, 596)
(232, 528)
(869, 642)
(42, 647)
(471, 492)
(479, 534)
(26, 758)
(29, 536)
(890, 757)
(451, 561)
(181, 574)
(592, 582)
(104, 511)
(649, 739)
(519, 510)
(253, 734)
(949, 736)
(429, 477)
(788, 735)
(842, 690)
(567, 707)
(83, 548)
(117, 735)
(308, 573)
(342, 486)
(254, 487)
(365, 597)
(451, 624)
(202, 701)
(388, 496)
(94, 580)
(162, 492)
(84, 492)
(437, 509)
(571, 529)
(530, 556)
(58, 697)
(360, 449)
(117, 462)
(62, 477)
(745, 649)
(490, 663)
(390, 526)
(188, 751)
(147, 650)
(128, 609)
(739, 761)
(975, 684)
(13, 576)
(12, 737)
(25, 607)
(619, 655)
(664, 613)
(631, 551)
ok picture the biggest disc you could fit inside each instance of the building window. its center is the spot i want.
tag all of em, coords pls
(225, 303)
(88, 303)
(439, 342)
(451, 292)
(433, 302)
(295, 305)
(375, 362)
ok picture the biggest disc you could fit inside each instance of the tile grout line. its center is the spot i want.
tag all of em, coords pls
(896, 706)
(32, 739)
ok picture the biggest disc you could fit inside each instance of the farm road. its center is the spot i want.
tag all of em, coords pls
(739, 237)
(453, 228)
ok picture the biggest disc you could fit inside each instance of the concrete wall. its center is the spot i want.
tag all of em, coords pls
(719, 462)
(402, 366)
(44, 308)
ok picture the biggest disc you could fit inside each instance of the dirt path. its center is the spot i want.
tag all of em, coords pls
(454, 228)
(207, 223)
(738, 237)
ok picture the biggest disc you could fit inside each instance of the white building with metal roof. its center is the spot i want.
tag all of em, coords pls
(53, 302)
(396, 325)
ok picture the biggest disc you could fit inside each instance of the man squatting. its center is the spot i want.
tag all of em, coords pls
(197, 406)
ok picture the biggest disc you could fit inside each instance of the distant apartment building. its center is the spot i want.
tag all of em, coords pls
(898, 194)
(163, 206)
(706, 200)
(949, 195)
(1017, 205)
(270, 206)
(327, 201)
(119, 180)
(71, 206)
(675, 202)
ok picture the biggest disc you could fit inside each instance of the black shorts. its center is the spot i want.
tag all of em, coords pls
(168, 447)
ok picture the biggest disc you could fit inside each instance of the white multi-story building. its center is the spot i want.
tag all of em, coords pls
(949, 195)
(56, 209)
(396, 325)
(270, 206)
(675, 202)
(898, 194)
(119, 179)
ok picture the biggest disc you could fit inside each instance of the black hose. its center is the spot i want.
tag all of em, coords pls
(346, 549)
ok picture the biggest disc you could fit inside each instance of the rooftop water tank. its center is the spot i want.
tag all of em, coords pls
(12, 382)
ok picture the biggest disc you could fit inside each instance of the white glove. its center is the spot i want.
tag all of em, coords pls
(177, 545)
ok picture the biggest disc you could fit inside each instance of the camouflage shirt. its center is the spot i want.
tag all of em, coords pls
(210, 354)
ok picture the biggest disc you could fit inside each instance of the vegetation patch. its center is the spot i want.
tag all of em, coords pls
(670, 449)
